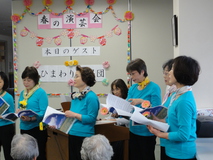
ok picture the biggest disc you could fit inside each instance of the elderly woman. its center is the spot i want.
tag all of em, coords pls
(180, 144)
(34, 98)
(84, 108)
(96, 147)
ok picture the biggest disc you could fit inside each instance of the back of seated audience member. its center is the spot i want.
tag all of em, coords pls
(96, 147)
(24, 147)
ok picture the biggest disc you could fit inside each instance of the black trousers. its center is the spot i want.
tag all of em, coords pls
(163, 153)
(6, 135)
(141, 147)
(169, 158)
(41, 137)
(75, 144)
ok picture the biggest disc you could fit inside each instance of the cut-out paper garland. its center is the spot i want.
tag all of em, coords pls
(16, 18)
(70, 33)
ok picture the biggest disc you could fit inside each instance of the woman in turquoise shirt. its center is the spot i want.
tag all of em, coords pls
(166, 100)
(141, 142)
(7, 128)
(84, 108)
(34, 98)
(181, 136)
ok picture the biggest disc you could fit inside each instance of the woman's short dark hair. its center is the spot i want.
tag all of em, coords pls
(186, 70)
(168, 64)
(119, 83)
(32, 73)
(87, 75)
(5, 79)
(137, 65)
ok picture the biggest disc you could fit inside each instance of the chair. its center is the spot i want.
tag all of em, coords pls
(65, 106)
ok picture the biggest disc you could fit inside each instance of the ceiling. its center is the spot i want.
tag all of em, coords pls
(5, 14)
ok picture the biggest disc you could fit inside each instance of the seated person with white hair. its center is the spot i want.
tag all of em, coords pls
(96, 147)
(24, 147)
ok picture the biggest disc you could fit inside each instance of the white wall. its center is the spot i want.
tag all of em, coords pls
(196, 40)
(151, 41)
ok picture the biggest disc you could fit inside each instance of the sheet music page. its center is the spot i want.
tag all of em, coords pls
(141, 119)
(118, 103)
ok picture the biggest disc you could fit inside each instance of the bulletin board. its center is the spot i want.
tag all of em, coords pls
(107, 44)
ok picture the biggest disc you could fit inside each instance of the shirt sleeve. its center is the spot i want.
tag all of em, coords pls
(92, 111)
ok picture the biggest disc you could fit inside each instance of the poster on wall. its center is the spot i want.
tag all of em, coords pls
(61, 73)
(69, 20)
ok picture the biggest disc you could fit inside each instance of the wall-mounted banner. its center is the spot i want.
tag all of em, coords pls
(61, 73)
(89, 20)
(70, 51)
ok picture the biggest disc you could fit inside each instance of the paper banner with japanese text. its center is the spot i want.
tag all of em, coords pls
(70, 51)
(61, 73)
(89, 20)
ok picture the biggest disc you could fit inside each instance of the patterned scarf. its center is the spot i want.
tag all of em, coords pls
(28, 95)
(80, 95)
(169, 92)
(179, 92)
(144, 83)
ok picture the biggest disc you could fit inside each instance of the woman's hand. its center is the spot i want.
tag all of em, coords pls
(73, 115)
(135, 101)
(26, 118)
(157, 119)
(70, 114)
(52, 127)
(157, 132)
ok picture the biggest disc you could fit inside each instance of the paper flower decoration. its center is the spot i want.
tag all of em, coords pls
(36, 64)
(75, 62)
(27, 3)
(71, 82)
(105, 82)
(111, 2)
(71, 63)
(47, 2)
(48, 39)
(70, 33)
(24, 33)
(104, 111)
(106, 64)
(69, 2)
(129, 15)
(83, 40)
(89, 2)
(23, 104)
(15, 18)
(39, 41)
(145, 104)
(117, 31)
(57, 41)
(102, 41)
(66, 63)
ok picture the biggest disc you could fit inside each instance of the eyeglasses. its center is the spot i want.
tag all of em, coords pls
(165, 73)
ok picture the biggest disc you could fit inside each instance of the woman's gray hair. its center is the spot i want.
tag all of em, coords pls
(24, 147)
(96, 147)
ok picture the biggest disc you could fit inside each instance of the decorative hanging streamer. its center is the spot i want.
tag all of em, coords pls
(15, 58)
(129, 43)
(70, 33)
(67, 94)
(16, 18)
